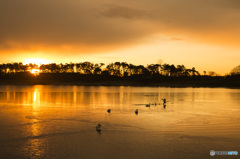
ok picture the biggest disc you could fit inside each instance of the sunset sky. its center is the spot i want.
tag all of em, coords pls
(204, 34)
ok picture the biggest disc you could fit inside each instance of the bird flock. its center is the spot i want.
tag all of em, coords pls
(98, 127)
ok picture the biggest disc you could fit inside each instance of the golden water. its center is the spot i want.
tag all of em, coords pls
(60, 122)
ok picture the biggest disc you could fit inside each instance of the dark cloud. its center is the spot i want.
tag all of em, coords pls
(117, 11)
(84, 26)
(72, 24)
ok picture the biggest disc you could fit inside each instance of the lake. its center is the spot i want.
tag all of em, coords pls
(48, 121)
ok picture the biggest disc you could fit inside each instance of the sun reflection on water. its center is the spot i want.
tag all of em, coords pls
(35, 145)
(35, 97)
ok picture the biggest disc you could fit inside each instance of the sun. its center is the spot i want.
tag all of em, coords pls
(37, 61)
(35, 71)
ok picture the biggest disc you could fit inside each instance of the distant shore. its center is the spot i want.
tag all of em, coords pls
(126, 83)
(137, 80)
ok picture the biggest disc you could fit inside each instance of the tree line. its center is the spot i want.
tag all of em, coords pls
(117, 68)
(120, 69)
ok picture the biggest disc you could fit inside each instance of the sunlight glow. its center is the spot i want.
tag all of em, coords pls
(35, 71)
(37, 61)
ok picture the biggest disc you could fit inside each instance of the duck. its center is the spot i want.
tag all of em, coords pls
(164, 100)
(98, 128)
(148, 105)
(136, 111)
(109, 110)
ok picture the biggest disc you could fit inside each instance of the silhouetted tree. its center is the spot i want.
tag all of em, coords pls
(180, 70)
(154, 68)
(211, 73)
(172, 70)
(124, 67)
(87, 67)
(194, 72)
(131, 68)
(16, 67)
(235, 70)
(97, 68)
(9, 67)
(114, 68)
(54, 68)
(3, 68)
(166, 69)
(205, 73)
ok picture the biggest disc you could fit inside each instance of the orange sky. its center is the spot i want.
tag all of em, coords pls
(204, 34)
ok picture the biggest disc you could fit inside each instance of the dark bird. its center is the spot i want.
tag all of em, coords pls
(164, 106)
(148, 105)
(136, 111)
(98, 128)
(164, 100)
(109, 110)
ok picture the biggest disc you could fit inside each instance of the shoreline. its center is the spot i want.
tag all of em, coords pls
(171, 84)
(111, 80)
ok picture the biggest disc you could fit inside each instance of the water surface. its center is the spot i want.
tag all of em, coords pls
(60, 121)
